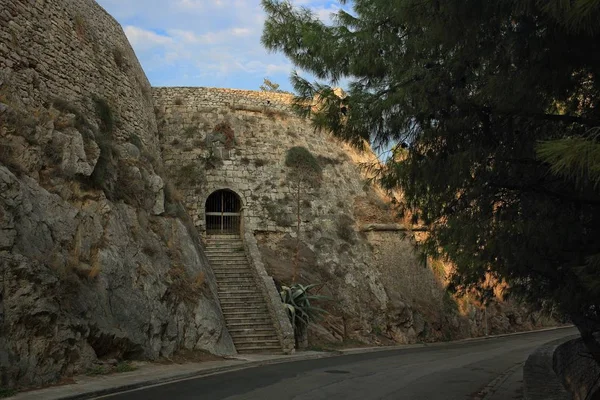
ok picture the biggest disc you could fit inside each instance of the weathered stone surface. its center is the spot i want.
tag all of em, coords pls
(72, 50)
(87, 283)
(576, 368)
(74, 160)
(90, 270)
(540, 382)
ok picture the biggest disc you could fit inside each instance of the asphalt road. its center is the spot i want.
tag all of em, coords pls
(484, 369)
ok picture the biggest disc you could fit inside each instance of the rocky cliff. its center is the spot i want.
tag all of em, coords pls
(92, 269)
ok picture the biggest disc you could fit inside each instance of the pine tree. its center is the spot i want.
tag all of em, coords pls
(496, 105)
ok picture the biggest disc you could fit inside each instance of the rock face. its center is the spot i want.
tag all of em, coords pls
(350, 239)
(91, 266)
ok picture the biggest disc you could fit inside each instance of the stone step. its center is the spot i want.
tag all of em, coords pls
(221, 264)
(223, 243)
(241, 293)
(248, 319)
(237, 280)
(254, 341)
(222, 268)
(224, 250)
(236, 285)
(261, 330)
(255, 294)
(240, 299)
(225, 284)
(251, 324)
(263, 350)
(230, 265)
(226, 245)
(228, 259)
(249, 342)
(232, 277)
(244, 310)
(242, 305)
(233, 273)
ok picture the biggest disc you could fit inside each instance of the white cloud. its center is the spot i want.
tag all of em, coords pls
(143, 39)
(205, 42)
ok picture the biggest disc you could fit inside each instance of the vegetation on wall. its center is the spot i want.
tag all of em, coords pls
(270, 86)
(304, 173)
(299, 303)
(225, 129)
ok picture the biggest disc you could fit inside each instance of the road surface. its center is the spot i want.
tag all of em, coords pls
(484, 370)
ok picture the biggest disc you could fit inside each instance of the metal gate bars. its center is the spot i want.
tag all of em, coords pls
(223, 213)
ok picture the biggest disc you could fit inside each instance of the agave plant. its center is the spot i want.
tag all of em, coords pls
(297, 300)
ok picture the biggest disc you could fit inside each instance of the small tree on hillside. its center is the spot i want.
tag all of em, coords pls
(304, 173)
(270, 86)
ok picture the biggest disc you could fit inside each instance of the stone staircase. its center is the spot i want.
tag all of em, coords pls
(244, 307)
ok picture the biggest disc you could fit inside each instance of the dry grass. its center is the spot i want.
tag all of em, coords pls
(80, 25)
(182, 287)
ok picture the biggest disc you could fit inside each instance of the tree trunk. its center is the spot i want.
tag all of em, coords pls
(297, 255)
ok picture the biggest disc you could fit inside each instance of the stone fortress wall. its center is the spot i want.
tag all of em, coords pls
(71, 50)
(381, 290)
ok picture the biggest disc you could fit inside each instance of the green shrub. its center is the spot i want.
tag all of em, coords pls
(119, 57)
(303, 166)
(124, 366)
(5, 393)
(66, 107)
(190, 131)
(344, 228)
(226, 130)
(188, 174)
(135, 140)
(259, 162)
(105, 114)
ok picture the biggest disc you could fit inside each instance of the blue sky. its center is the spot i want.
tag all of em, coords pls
(205, 42)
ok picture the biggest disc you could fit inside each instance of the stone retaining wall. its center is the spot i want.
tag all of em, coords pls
(540, 382)
(576, 368)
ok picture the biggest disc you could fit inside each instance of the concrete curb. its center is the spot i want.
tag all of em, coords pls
(116, 387)
(539, 379)
(360, 350)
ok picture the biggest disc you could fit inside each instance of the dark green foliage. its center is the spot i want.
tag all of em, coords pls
(188, 174)
(190, 131)
(68, 108)
(277, 213)
(344, 228)
(135, 139)
(303, 164)
(105, 115)
(270, 86)
(105, 173)
(5, 393)
(299, 303)
(464, 92)
(120, 59)
(259, 162)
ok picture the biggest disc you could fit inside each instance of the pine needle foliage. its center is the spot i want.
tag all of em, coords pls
(495, 105)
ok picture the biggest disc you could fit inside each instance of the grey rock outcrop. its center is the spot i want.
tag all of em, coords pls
(95, 281)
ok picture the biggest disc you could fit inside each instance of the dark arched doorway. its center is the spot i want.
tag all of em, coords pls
(223, 211)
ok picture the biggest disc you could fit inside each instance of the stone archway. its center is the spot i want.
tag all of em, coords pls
(223, 213)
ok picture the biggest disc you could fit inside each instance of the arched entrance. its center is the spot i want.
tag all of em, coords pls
(223, 211)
